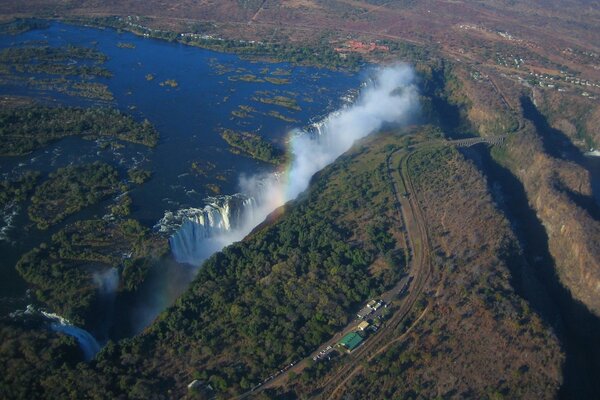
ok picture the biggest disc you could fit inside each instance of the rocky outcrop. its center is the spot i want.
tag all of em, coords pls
(552, 185)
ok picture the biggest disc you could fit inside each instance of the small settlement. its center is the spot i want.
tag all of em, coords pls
(355, 338)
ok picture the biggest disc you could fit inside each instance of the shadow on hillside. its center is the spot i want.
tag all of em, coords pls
(440, 111)
(558, 145)
(536, 280)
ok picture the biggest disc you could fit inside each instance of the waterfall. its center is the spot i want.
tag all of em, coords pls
(388, 98)
(196, 233)
(87, 342)
(107, 281)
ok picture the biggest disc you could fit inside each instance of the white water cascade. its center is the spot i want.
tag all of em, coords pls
(88, 344)
(196, 233)
(390, 97)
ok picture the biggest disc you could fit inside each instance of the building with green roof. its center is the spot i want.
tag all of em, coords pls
(351, 341)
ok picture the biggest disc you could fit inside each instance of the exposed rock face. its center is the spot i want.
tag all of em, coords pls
(553, 186)
(559, 191)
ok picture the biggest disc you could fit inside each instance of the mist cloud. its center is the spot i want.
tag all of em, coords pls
(391, 96)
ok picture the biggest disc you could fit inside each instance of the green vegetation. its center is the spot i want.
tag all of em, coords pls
(202, 167)
(246, 78)
(47, 68)
(23, 129)
(88, 90)
(126, 45)
(281, 101)
(277, 81)
(254, 307)
(254, 145)
(278, 115)
(319, 53)
(138, 175)
(54, 61)
(70, 189)
(19, 26)
(243, 111)
(284, 290)
(63, 272)
(17, 190)
(122, 206)
(30, 351)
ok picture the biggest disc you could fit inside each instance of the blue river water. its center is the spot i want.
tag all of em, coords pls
(188, 117)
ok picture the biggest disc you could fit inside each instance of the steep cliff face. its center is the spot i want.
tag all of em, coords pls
(477, 95)
(542, 155)
(558, 190)
(576, 116)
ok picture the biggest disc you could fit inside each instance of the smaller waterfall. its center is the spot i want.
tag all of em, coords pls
(88, 344)
(107, 281)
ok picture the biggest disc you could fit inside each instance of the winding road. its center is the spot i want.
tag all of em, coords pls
(420, 269)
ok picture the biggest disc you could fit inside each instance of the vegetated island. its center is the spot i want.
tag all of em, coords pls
(66, 273)
(282, 101)
(169, 82)
(254, 145)
(245, 78)
(19, 26)
(17, 189)
(138, 175)
(71, 70)
(70, 189)
(54, 61)
(24, 129)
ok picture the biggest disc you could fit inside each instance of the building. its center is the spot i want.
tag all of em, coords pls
(377, 305)
(364, 312)
(363, 325)
(351, 341)
(374, 304)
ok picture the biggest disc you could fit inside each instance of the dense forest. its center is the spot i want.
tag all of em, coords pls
(262, 302)
(24, 129)
(65, 272)
(70, 189)
(17, 189)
